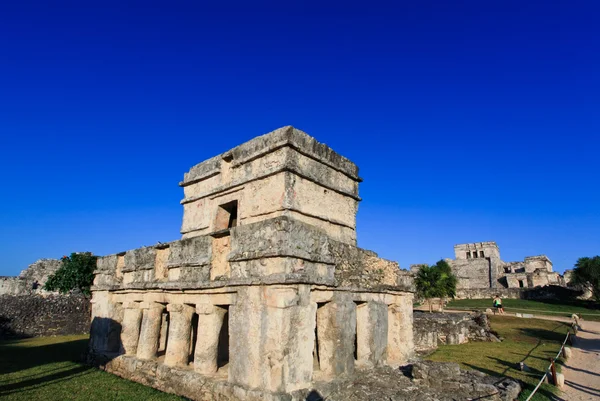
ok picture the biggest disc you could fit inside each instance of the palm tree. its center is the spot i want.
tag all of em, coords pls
(447, 282)
(428, 283)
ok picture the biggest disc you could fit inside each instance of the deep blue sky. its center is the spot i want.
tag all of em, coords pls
(469, 121)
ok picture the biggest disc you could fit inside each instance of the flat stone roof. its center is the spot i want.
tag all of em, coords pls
(264, 144)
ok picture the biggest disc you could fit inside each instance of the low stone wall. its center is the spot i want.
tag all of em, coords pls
(35, 315)
(489, 293)
(432, 329)
(540, 292)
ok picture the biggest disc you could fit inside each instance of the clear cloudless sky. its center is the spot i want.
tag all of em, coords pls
(469, 120)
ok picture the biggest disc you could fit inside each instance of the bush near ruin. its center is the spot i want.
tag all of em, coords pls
(587, 274)
(75, 274)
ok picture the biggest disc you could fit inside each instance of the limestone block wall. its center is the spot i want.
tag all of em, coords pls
(476, 250)
(517, 280)
(291, 306)
(532, 263)
(489, 293)
(283, 173)
(266, 292)
(471, 273)
(514, 267)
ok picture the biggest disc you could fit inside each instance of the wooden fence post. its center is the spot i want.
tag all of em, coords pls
(553, 370)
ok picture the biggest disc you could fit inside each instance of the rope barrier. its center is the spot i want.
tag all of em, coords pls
(550, 367)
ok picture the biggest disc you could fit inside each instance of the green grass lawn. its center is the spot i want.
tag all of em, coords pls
(565, 308)
(532, 341)
(46, 369)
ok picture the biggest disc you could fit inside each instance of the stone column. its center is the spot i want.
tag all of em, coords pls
(210, 321)
(400, 334)
(371, 333)
(336, 330)
(130, 333)
(150, 330)
(180, 329)
(272, 337)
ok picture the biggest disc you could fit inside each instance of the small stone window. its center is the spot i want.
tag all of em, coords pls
(481, 254)
(521, 284)
(227, 215)
(474, 254)
(468, 255)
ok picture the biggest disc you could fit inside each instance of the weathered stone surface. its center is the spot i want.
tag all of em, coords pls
(132, 320)
(139, 259)
(271, 238)
(371, 333)
(193, 252)
(432, 329)
(210, 323)
(180, 330)
(359, 268)
(31, 280)
(401, 347)
(464, 384)
(285, 172)
(336, 329)
(150, 331)
(36, 315)
(266, 294)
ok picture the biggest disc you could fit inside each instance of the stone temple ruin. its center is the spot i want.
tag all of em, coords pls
(478, 267)
(266, 295)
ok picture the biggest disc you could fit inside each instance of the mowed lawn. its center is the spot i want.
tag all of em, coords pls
(46, 369)
(563, 308)
(532, 341)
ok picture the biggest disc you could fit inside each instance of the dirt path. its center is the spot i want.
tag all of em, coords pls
(582, 370)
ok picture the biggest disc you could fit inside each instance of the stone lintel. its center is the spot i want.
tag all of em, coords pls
(206, 309)
(131, 305)
(180, 308)
(282, 298)
(151, 305)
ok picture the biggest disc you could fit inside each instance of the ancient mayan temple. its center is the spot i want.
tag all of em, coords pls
(266, 296)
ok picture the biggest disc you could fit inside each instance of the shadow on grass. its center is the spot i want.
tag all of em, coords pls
(526, 388)
(56, 362)
(15, 357)
(544, 335)
(38, 382)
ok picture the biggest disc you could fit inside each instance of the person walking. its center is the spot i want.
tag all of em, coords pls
(498, 305)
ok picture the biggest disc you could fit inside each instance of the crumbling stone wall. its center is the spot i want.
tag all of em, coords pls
(36, 315)
(432, 329)
(30, 280)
